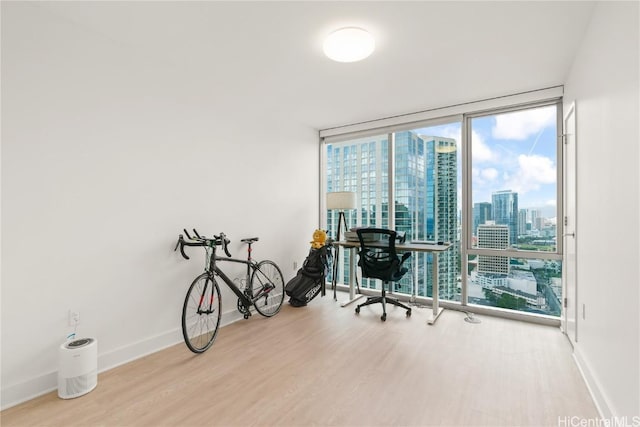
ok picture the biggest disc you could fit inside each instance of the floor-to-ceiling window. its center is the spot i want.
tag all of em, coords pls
(427, 187)
(486, 182)
(359, 165)
(514, 176)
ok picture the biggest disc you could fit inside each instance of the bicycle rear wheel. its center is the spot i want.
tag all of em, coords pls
(201, 313)
(267, 283)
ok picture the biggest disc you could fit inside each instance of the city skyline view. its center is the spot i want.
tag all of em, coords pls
(512, 174)
(512, 151)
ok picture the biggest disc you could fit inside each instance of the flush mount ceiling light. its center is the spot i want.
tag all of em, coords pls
(349, 44)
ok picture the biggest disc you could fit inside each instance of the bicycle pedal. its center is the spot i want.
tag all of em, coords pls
(242, 309)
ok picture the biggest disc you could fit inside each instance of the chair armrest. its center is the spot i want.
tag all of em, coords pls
(405, 256)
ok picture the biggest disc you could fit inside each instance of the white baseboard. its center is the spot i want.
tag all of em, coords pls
(27, 390)
(602, 403)
(42, 384)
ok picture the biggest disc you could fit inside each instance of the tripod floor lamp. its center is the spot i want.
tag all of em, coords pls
(340, 200)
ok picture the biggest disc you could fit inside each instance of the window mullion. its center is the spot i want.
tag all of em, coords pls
(467, 210)
(391, 180)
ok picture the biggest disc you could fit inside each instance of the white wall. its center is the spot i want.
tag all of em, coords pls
(107, 153)
(604, 84)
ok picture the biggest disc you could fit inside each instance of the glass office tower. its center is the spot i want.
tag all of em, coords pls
(504, 205)
(425, 202)
(481, 214)
(426, 198)
(359, 165)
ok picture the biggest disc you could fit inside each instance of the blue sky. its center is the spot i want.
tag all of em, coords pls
(512, 151)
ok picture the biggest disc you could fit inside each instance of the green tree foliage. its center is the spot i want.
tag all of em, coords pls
(511, 302)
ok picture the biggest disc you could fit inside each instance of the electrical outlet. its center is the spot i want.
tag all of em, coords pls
(240, 282)
(74, 318)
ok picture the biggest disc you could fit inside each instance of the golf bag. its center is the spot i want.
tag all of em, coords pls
(310, 279)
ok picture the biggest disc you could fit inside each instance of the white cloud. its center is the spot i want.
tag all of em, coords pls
(479, 149)
(452, 132)
(533, 171)
(484, 181)
(551, 202)
(489, 174)
(520, 125)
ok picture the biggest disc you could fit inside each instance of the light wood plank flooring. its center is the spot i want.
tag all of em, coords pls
(324, 365)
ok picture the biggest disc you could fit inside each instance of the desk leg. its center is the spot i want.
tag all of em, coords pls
(353, 271)
(434, 275)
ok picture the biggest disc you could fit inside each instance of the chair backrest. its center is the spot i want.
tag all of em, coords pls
(378, 257)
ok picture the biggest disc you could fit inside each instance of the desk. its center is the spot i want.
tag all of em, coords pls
(400, 247)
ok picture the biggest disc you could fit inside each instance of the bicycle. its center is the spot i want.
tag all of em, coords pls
(201, 312)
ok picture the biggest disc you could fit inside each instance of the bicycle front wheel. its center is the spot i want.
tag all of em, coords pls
(267, 288)
(201, 313)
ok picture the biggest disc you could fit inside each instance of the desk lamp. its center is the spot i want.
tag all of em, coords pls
(340, 200)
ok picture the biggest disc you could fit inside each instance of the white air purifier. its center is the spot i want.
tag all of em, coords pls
(78, 367)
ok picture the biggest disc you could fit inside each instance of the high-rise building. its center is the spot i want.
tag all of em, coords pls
(361, 166)
(522, 222)
(493, 236)
(534, 214)
(426, 194)
(442, 208)
(481, 214)
(504, 205)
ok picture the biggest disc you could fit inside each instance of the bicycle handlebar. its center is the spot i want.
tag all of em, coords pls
(224, 242)
(199, 240)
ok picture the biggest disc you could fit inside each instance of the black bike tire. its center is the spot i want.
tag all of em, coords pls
(188, 327)
(277, 293)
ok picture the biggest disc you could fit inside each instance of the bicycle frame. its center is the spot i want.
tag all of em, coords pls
(202, 308)
(251, 265)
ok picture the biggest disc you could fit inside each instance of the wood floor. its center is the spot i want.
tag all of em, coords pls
(324, 365)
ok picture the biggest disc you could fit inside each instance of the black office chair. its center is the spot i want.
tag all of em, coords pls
(378, 260)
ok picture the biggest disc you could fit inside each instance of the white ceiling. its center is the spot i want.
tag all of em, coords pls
(267, 56)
